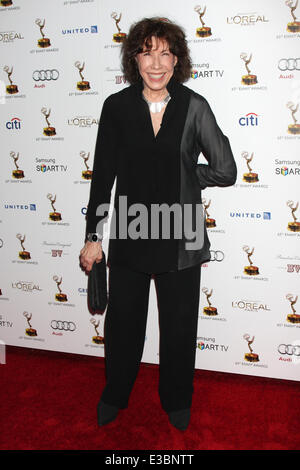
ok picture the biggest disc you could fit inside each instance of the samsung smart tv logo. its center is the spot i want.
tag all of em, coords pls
(250, 119)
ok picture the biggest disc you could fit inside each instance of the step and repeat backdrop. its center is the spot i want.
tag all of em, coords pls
(59, 61)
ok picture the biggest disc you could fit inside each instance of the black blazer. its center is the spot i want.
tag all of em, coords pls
(161, 169)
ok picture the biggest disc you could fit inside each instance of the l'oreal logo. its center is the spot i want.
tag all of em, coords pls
(251, 119)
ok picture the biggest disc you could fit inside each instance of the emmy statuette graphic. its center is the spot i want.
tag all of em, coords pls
(204, 31)
(293, 26)
(48, 131)
(22, 254)
(43, 42)
(55, 216)
(248, 79)
(292, 317)
(210, 223)
(86, 174)
(249, 177)
(10, 89)
(83, 84)
(96, 339)
(293, 128)
(210, 311)
(17, 174)
(250, 357)
(293, 226)
(60, 297)
(5, 3)
(119, 36)
(250, 270)
(29, 331)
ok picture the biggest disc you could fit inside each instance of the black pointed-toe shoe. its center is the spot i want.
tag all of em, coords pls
(106, 413)
(180, 419)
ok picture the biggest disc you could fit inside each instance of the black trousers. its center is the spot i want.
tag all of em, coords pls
(125, 328)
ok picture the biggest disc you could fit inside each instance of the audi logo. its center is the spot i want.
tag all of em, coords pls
(216, 255)
(290, 349)
(42, 75)
(63, 325)
(289, 64)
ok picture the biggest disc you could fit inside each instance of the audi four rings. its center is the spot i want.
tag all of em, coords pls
(63, 325)
(216, 255)
(45, 75)
(289, 64)
(290, 349)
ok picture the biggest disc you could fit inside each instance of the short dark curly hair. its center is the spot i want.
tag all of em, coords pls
(140, 35)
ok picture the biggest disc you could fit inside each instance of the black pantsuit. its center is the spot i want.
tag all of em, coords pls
(125, 328)
(161, 169)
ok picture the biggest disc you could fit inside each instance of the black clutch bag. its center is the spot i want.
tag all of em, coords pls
(97, 285)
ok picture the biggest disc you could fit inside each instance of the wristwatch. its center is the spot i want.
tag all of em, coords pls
(94, 237)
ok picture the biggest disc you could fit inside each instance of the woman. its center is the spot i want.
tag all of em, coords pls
(150, 136)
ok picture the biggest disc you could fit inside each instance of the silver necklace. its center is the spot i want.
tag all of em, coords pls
(156, 107)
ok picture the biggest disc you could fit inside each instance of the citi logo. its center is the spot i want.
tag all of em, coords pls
(251, 119)
(14, 123)
(82, 290)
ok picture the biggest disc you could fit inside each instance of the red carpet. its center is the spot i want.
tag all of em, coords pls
(48, 402)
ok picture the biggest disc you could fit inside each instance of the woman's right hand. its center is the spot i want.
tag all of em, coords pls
(91, 252)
